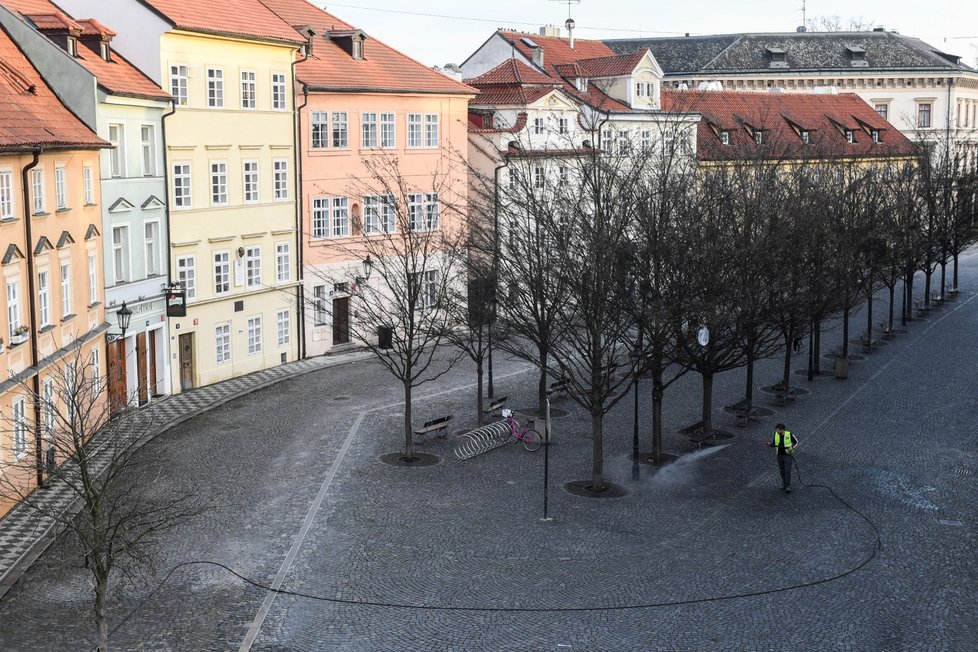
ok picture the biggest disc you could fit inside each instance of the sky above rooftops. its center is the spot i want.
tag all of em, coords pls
(451, 31)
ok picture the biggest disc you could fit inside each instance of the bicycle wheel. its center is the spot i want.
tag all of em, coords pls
(531, 440)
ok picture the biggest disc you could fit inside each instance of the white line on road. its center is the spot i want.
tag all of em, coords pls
(266, 605)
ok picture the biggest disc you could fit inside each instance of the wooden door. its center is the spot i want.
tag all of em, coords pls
(141, 368)
(117, 376)
(187, 361)
(341, 320)
(151, 360)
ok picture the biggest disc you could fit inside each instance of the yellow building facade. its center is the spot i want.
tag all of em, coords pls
(231, 172)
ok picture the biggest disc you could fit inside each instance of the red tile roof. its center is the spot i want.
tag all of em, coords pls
(558, 50)
(614, 66)
(515, 96)
(382, 68)
(781, 117)
(117, 77)
(243, 18)
(30, 113)
(511, 71)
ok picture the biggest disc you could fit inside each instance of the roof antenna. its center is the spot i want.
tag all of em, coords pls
(569, 23)
(804, 17)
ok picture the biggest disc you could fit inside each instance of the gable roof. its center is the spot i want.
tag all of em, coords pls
(330, 67)
(248, 19)
(512, 71)
(777, 115)
(116, 77)
(612, 66)
(31, 115)
(804, 51)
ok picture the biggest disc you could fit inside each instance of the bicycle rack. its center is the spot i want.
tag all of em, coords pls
(481, 440)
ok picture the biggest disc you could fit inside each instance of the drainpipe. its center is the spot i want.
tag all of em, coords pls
(169, 253)
(300, 314)
(31, 312)
(495, 260)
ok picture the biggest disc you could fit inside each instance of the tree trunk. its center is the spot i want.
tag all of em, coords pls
(817, 343)
(909, 287)
(707, 401)
(845, 331)
(657, 415)
(955, 273)
(889, 324)
(749, 390)
(943, 276)
(101, 610)
(479, 403)
(927, 282)
(597, 451)
(789, 344)
(408, 433)
(869, 317)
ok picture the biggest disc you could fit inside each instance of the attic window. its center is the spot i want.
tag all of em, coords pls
(104, 51)
(806, 137)
(72, 46)
(875, 135)
(581, 83)
(759, 137)
(776, 58)
(850, 137)
(724, 137)
(857, 57)
(357, 52)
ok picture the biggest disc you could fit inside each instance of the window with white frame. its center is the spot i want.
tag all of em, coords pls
(20, 428)
(253, 267)
(431, 210)
(319, 129)
(250, 182)
(179, 77)
(44, 298)
(538, 125)
(282, 327)
(60, 188)
(219, 183)
(368, 130)
(607, 140)
(388, 132)
(13, 307)
(281, 173)
(222, 272)
(341, 130)
(924, 115)
(65, 289)
(6, 196)
(37, 190)
(92, 281)
(563, 125)
(120, 253)
(88, 187)
(222, 342)
(563, 175)
(215, 88)
(147, 136)
(187, 275)
(850, 136)
(283, 262)
(539, 176)
(319, 305)
(378, 214)
(181, 185)
(248, 90)
(47, 398)
(254, 334)
(724, 137)
(330, 217)
(416, 211)
(117, 155)
(428, 289)
(151, 240)
(431, 130)
(415, 130)
(279, 102)
(883, 110)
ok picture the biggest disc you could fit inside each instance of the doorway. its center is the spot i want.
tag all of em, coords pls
(186, 361)
(118, 399)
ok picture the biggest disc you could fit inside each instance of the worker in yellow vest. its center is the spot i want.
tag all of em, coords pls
(785, 442)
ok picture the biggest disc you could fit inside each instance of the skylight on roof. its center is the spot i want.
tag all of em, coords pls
(529, 42)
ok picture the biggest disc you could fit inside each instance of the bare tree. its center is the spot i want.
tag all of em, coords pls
(405, 269)
(113, 517)
(840, 24)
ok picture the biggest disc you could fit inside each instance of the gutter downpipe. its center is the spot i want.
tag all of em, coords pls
(495, 260)
(300, 273)
(170, 281)
(32, 307)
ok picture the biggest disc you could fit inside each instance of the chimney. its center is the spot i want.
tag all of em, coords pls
(550, 30)
(570, 30)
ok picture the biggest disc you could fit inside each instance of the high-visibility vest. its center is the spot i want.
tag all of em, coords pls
(787, 441)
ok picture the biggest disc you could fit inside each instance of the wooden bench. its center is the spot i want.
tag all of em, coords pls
(695, 435)
(495, 405)
(437, 427)
(742, 413)
(558, 388)
(785, 395)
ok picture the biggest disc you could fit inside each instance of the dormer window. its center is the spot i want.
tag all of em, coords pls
(351, 41)
(357, 53)
(806, 137)
(72, 46)
(104, 51)
(759, 137)
(724, 137)
(875, 135)
(850, 136)
(777, 58)
(857, 57)
(581, 83)
(644, 89)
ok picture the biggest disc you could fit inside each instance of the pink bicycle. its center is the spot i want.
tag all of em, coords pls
(531, 438)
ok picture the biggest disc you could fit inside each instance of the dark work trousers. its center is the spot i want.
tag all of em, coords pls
(785, 463)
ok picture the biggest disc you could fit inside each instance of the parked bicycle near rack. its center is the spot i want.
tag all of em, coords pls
(523, 432)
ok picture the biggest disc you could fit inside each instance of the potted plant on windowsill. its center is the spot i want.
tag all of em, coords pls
(19, 335)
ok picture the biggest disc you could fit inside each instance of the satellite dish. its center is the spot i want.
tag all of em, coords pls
(703, 336)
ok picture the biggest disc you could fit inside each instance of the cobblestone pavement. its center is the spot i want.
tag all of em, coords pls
(705, 554)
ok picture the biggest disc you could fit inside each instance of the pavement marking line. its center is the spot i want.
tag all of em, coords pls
(448, 391)
(297, 543)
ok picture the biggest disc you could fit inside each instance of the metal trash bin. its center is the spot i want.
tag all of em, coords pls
(842, 368)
